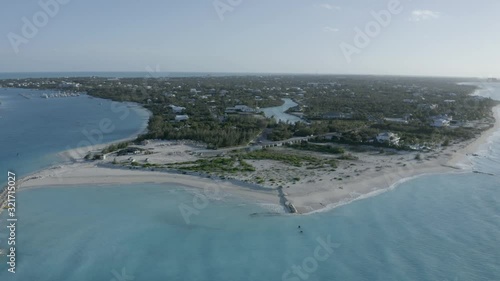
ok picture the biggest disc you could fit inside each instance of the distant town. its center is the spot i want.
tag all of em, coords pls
(407, 113)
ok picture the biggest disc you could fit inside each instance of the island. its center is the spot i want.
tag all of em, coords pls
(304, 142)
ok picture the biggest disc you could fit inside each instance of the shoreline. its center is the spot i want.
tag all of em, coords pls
(67, 156)
(88, 173)
(80, 172)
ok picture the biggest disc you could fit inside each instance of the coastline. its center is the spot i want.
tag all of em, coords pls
(79, 172)
(104, 175)
(68, 156)
(72, 156)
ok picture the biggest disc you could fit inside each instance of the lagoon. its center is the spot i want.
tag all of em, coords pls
(278, 112)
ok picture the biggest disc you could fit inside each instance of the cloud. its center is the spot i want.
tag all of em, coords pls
(423, 15)
(330, 29)
(328, 6)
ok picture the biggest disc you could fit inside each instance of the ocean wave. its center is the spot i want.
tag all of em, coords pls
(360, 196)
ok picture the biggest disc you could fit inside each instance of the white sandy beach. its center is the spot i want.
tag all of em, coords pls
(91, 174)
(315, 191)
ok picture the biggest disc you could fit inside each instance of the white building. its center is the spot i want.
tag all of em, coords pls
(397, 120)
(177, 109)
(441, 121)
(69, 85)
(427, 106)
(180, 118)
(244, 108)
(388, 137)
(239, 108)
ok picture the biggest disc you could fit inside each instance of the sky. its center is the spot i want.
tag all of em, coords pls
(424, 37)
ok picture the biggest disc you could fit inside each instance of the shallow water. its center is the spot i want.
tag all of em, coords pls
(433, 228)
(34, 130)
(278, 112)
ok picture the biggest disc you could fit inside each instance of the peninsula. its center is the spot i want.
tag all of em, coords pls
(347, 137)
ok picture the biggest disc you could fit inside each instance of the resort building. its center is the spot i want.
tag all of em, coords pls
(388, 137)
(180, 118)
(441, 121)
(177, 109)
(69, 85)
(338, 115)
(240, 108)
(397, 120)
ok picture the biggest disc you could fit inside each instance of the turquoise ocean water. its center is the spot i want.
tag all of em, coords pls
(34, 129)
(439, 227)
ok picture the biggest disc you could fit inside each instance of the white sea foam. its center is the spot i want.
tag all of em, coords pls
(273, 208)
(358, 196)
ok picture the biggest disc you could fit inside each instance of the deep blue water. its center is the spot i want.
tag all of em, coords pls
(439, 227)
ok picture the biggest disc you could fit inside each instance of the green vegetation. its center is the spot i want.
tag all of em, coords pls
(446, 142)
(280, 131)
(115, 147)
(215, 165)
(287, 158)
(356, 108)
(233, 131)
(318, 148)
(370, 98)
(265, 154)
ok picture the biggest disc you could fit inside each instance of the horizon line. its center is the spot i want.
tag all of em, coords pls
(252, 73)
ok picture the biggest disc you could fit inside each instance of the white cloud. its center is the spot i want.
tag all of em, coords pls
(328, 6)
(330, 29)
(422, 15)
